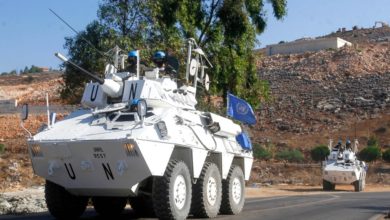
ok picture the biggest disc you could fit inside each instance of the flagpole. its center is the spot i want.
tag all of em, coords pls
(227, 103)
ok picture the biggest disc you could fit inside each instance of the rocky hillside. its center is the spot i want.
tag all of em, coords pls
(31, 88)
(330, 93)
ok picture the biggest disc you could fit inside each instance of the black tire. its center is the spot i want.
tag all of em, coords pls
(233, 192)
(328, 186)
(142, 206)
(109, 206)
(358, 184)
(333, 186)
(166, 202)
(62, 204)
(207, 192)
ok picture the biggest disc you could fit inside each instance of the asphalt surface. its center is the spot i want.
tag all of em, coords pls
(340, 205)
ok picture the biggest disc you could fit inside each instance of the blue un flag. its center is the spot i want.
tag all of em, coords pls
(240, 110)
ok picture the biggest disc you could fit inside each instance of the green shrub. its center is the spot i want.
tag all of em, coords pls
(373, 142)
(290, 155)
(319, 153)
(2, 148)
(259, 152)
(386, 155)
(370, 153)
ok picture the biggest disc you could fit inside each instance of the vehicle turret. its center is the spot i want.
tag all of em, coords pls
(111, 87)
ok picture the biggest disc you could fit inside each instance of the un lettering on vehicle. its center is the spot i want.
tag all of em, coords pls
(104, 165)
(132, 90)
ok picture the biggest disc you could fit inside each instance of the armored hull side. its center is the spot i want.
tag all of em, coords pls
(81, 148)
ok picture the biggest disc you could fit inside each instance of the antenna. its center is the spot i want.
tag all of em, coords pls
(356, 118)
(78, 33)
(48, 110)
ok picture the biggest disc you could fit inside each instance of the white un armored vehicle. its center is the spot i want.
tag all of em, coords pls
(140, 139)
(342, 167)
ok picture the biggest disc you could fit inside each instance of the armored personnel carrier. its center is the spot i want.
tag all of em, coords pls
(342, 167)
(140, 139)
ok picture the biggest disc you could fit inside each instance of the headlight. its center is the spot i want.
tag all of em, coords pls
(36, 150)
(130, 149)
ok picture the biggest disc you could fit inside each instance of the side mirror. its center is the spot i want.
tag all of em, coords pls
(24, 113)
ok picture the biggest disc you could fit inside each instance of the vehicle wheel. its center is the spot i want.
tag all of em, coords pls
(328, 186)
(172, 192)
(142, 206)
(363, 182)
(207, 192)
(233, 187)
(62, 204)
(109, 206)
(358, 184)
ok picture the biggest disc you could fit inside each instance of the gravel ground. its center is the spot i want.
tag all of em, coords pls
(30, 200)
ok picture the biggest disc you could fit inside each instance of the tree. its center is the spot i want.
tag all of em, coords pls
(386, 155)
(34, 69)
(319, 153)
(370, 153)
(227, 30)
(127, 18)
(120, 23)
(373, 141)
(25, 71)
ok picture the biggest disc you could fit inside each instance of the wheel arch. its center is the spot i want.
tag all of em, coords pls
(184, 154)
(245, 163)
(215, 158)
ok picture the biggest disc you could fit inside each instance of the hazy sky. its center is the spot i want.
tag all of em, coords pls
(30, 34)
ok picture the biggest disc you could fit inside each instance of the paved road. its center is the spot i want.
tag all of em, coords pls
(344, 205)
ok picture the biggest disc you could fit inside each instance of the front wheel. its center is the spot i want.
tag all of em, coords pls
(172, 192)
(62, 204)
(359, 184)
(233, 187)
(328, 186)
